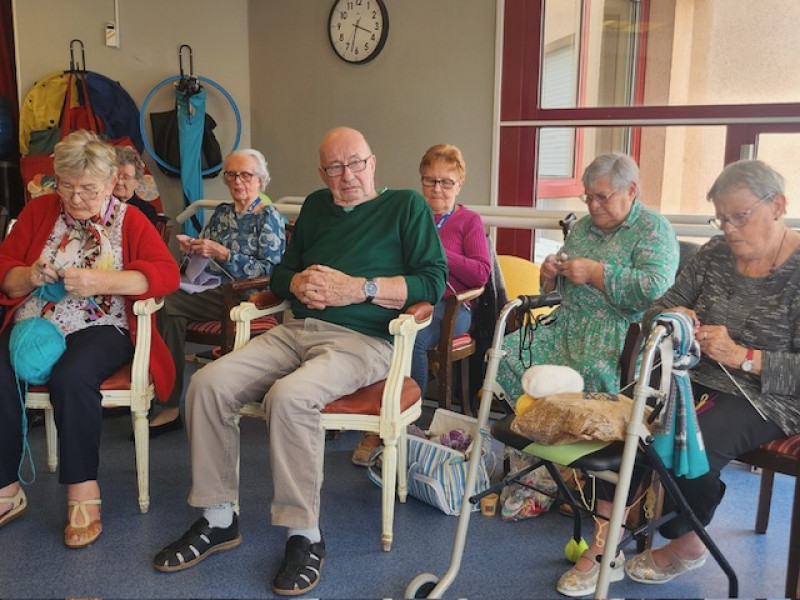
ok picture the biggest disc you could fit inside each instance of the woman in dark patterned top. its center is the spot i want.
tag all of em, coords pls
(741, 290)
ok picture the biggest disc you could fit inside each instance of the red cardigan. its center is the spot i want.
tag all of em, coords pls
(142, 250)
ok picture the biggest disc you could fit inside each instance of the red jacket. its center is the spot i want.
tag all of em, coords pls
(142, 250)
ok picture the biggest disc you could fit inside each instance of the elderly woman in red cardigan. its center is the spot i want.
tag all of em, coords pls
(79, 260)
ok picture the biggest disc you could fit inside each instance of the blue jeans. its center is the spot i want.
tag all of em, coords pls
(429, 337)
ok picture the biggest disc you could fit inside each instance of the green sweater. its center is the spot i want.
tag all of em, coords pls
(390, 235)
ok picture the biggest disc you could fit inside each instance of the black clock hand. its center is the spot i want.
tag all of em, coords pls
(353, 37)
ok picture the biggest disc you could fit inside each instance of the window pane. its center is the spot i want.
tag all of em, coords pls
(780, 151)
(677, 166)
(711, 52)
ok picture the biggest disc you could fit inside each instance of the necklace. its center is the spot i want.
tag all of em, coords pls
(778, 253)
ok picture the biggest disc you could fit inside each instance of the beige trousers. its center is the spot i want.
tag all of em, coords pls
(295, 370)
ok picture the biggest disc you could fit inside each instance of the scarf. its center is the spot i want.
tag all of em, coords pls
(677, 438)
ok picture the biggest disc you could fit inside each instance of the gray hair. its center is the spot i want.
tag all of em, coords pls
(756, 176)
(128, 156)
(83, 153)
(621, 168)
(261, 164)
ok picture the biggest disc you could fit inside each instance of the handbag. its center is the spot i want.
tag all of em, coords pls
(38, 176)
(43, 141)
(437, 474)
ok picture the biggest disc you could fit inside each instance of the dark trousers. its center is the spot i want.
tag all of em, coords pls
(730, 427)
(179, 308)
(92, 355)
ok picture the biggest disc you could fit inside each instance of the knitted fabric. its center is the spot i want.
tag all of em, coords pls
(677, 438)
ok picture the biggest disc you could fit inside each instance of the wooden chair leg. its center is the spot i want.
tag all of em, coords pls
(446, 385)
(389, 473)
(141, 440)
(764, 500)
(402, 467)
(51, 435)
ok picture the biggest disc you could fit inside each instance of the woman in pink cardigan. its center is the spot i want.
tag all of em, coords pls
(79, 260)
(442, 173)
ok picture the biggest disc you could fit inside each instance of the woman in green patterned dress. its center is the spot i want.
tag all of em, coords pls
(614, 264)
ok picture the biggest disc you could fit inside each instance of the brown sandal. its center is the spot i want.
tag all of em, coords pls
(88, 532)
(19, 504)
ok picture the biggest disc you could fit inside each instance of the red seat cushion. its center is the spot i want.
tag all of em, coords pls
(259, 325)
(789, 446)
(367, 400)
(462, 340)
(121, 380)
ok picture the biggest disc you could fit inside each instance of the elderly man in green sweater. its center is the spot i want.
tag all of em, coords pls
(356, 258)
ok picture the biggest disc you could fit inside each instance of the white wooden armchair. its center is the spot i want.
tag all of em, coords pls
(386, 407)
(130, 386)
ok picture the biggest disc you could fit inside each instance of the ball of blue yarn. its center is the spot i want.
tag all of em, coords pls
(35, 346)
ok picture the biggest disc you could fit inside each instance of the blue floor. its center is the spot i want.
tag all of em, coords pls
(502, 559)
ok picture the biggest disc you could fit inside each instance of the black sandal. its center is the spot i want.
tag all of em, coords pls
(301, 567)
(197, 543)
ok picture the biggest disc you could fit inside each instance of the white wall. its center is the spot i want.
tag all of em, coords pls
(432, 83)
(150, 33)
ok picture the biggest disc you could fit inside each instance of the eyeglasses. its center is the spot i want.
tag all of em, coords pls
(599, 198)
(355, 167)
(245, 176)
(445, 184)
(738, 220)
(127, 178)
(68, 192)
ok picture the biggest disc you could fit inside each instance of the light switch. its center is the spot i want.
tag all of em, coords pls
(111, 34)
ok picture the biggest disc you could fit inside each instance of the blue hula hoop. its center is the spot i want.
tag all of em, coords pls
(222, 90)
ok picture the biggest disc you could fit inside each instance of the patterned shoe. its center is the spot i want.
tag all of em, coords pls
(575, 583)
(643, 568)
(301, 567)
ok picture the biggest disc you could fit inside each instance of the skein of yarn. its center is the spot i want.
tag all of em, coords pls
(35, 346)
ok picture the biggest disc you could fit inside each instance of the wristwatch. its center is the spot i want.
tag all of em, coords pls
(370, 290)
(747, 364)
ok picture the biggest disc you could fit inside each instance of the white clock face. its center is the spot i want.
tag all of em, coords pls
(358, 29)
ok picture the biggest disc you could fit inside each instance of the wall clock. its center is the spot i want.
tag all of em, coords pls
(357, 29)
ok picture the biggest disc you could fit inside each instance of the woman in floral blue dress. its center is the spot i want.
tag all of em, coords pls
(615, 263)
(242, 240)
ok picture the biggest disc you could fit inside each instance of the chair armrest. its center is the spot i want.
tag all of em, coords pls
(404, 328)
(259, 305)
(452, 306)
(469, 295)
(253, 283)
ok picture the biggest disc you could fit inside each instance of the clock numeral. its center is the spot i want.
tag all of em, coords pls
(377, 26)
(341, 37)
(343, 15)
(350, 5)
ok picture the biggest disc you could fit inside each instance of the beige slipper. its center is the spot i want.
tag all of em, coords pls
(643, 568)
(19, 504)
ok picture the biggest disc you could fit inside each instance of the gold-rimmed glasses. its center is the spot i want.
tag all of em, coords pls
(599, 198)
(67, 192)
(738, 220)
